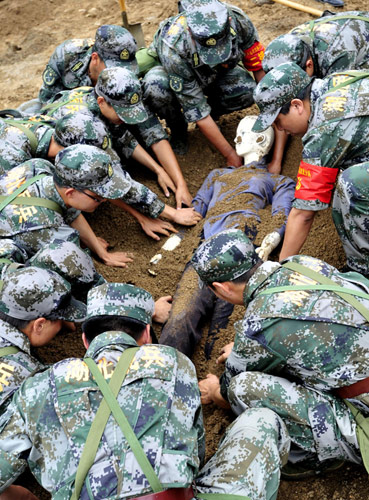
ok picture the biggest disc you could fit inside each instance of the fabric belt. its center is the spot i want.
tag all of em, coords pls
(353, 390)
(171, 494)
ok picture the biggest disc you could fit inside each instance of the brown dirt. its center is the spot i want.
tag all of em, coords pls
(30, 31)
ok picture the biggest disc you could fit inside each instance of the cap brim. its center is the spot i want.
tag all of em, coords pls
(217, 55)
(116, 187)
(131, 114)
(75, 311)
(265, 120)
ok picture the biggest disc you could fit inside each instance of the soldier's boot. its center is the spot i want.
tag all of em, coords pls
(303, 470)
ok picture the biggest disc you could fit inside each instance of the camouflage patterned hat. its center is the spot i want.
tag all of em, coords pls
(120, 299)
(68, 260)
(82, 128)
(285, 48)
(224, 257)
(278, 87)
(116, 46)
(87, 167)
(208, 21)
(122, 90)
(10, 252)
(29, 293)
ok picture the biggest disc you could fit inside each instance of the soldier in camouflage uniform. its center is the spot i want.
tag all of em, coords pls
(333, 118)
(324, 46)
(10, 253)
(117, 99)
(82, 178)
(43, 137)
(199, 50)
(77, 62)
(299, 350)
(161, 402)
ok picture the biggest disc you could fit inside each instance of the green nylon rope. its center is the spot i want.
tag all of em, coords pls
(5, 351)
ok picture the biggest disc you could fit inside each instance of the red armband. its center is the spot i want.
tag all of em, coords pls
(253, 57)
(315, 182)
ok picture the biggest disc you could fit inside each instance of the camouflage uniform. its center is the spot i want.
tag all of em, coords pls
(334, 42)
(10, 253)
(23, 139)
(336, 140)
(29, 294)
(183, 329)
(160, 399)
(69, 64)
(15, 144)
(314, 339)
(200, 50)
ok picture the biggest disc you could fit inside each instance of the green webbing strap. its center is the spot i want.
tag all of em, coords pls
(5, 351)
(4, 260)
(344, 293)
(325, 20)
(30, 135)
(362, 433)
(220, 496)
(35, 202)
(54, 106)
(8, 199)
(355, 77)
(127, 430)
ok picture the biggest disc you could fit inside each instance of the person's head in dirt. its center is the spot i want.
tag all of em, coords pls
(119, 307)
(114, 46)
(119, 96)
(79, 128)
(290, 48)
(36, 302)
(283, 97)
(208, 23)
(252, 146)
(85, 177)
(225, 262)
(71, 263)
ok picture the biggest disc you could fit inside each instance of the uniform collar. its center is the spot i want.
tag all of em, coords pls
(14, 337)
(257, 279)
(108, 339)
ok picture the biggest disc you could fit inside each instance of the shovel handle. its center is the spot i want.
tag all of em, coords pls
(298, 6)
(122, 4)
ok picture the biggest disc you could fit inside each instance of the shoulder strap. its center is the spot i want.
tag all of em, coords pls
(326, 284)
(35, 201)
(98, 425)
(356, 75)
(5, 351)
(54, 106)
(8, 199)
(312, 23)
(30, 135)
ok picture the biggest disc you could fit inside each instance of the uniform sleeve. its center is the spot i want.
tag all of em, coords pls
(51, 77)
(150, 131)
(247, 354)
(123, 140)
(248, 41)
(183, 83)
(205, 193)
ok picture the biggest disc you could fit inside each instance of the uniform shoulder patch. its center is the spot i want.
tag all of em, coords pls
(176, 83)
(77, 66)
(49, 76)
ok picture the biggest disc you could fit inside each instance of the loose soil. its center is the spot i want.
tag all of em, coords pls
(31, 30)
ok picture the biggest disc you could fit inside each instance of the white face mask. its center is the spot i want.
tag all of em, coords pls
(252, 146)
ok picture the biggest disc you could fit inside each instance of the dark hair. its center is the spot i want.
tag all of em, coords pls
(302, 95)
(100, 324)
(20, 324)
(306, 55)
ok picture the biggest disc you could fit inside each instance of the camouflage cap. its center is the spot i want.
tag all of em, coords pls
(278, 87)
(82, 128)
(208, 21)
(29, 293)
(87, 167)
(120, 299)
(224, 257)
(116, 46)
(285, 48)
(10, 252)
(122, 90)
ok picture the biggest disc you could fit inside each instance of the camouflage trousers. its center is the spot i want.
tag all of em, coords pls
(232, 91)
(320, 425)
(350, 212)
(249, 457)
